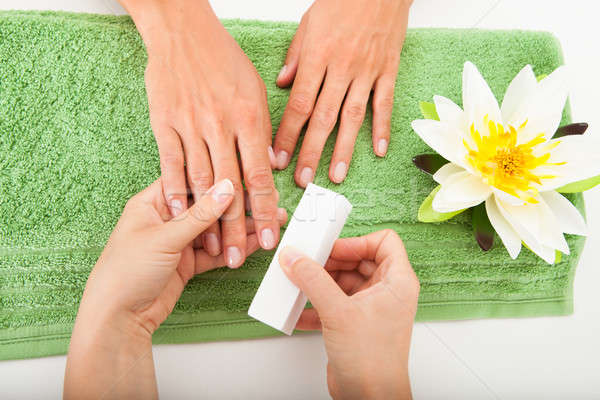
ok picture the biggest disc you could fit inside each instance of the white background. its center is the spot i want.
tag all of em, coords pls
(551, 358)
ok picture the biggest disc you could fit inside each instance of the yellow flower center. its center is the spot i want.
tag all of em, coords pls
(506, 165)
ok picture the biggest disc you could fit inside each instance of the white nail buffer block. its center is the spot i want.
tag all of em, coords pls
(314, 227)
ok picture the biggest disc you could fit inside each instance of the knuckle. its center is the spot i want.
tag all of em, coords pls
(355, 112)
(301, 104)
(326, 116)
(385, 103)
(201, 214)
(200, 179)
(170, 160)
(259, 177)
(249, 115)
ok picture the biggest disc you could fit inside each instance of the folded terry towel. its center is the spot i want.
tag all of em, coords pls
(76, 143)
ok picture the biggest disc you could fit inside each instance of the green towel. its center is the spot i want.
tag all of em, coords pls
(76, 143)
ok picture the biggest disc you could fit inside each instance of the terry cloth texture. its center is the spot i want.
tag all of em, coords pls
(76, 143)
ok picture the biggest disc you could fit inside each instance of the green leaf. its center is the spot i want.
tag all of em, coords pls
(429, 163)
(580, 186)
(578, 128)
(542, 76)
(482, 228)
(428, 110)
(428, 214)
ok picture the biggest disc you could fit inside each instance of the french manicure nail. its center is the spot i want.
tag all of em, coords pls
(282, 72)
(212, 244)
(289, 256)
(268, 238)
(272, 158)
(221, 190)
(382, 146)
(339, 172)
(306, 176)
(233, 256)
(176, 207)
(282, 159)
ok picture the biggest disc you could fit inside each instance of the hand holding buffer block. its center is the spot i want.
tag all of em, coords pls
(313, 229)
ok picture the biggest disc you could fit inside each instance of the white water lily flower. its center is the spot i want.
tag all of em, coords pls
(506, 157)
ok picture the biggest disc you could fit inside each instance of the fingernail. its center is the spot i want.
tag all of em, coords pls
(282, 72)
(289, 256)
(306, 176)
(267, 238)
(282, 159)
(221, 190)
(176, 207)
(281, 214)
(382, 146)
(233, 256)
(339, 173)
(212, 244)
(272, 158)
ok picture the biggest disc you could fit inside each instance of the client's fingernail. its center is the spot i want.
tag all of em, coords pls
(306, 176)
(176, 207)
(382, 146)
(281, 214)
(212, 244)
(272, 158)
(268, 238)
(282, 159)
(339, 173)
(282, 72)
(222, 190)
(289, 256)
(233, 256)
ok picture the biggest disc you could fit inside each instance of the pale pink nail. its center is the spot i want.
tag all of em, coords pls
(339, 172)
(176, 207)
(282, 159)
(306, 176)
(382, 146)
(272, 158)
(222, 190)
(233, 256)
(267, 238)
(282, 72)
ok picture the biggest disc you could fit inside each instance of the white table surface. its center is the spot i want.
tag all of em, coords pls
(551, 358)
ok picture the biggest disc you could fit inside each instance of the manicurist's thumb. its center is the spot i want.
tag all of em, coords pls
(312, 279)
(180, 231)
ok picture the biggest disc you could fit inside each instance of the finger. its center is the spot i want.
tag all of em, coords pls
(172, 169)
(351, 119)
(322, 122)
(200, 179)
(383, 105)
(309, 320)
(288, 71)
(233, 229)
(298, 109)
(312, 279)
(205, 262)
(179, 232)
(281, 219)
(258, 179)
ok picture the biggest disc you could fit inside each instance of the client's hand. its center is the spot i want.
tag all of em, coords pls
(365, 306)
(134, 286)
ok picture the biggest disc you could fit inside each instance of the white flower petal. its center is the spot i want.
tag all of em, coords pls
(508, 198)
(478, 99)
(581, 159)
(546, 253)
(450, 113)
(443, 138)
(567, 215)
(522, 86)
(543, 108)
(507, 234)
(446, 171)
(461, 190)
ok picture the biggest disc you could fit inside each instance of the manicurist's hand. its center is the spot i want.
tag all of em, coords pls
(134, 286)
(342, 50)
(365, 300)
(206, 102)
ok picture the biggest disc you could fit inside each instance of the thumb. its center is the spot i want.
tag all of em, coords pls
(312, 279)
(288, 71)
(180, 231)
